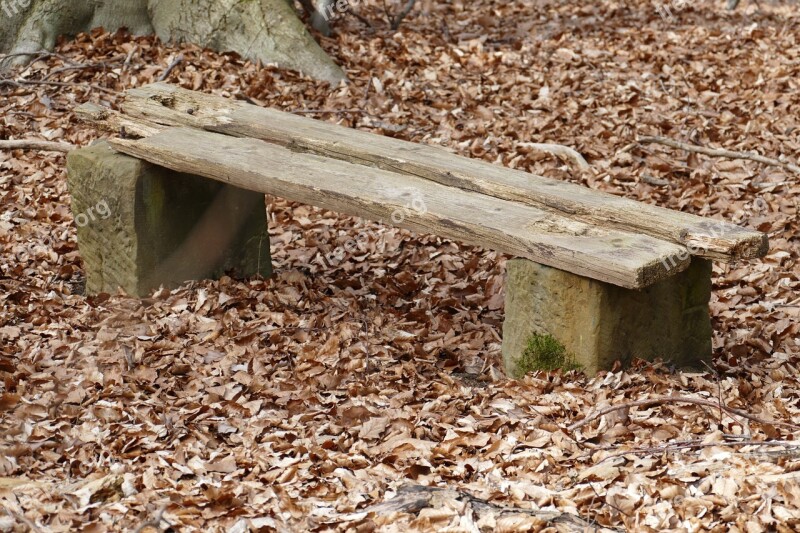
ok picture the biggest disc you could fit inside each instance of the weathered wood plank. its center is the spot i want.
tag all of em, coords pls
(625, 259)
(115, 122)
(167, 104)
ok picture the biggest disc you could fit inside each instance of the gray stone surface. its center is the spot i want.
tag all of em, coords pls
(141, 226)
(600, 323)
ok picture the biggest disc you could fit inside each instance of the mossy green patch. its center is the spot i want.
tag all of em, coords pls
(544, 352)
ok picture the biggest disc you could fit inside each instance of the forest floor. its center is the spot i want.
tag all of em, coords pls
(326, 397)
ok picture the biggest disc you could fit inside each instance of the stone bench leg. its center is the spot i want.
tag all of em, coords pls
(141, 226)
(599, 323)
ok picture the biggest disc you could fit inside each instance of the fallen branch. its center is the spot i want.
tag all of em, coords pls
(175, 62)
(36, 56)
(322, 111)
(84, 66)
(720, 152)
(768, 184)
(155, 522)
(679, 399)
(658, 182)
(35, 144)
(792, 447)
(403, 14)
(412, 499)
(362, 18)
(24, 83)
(560, 151)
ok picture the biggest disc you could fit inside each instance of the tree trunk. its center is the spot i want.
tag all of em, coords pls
(268, 30)
(265, 30)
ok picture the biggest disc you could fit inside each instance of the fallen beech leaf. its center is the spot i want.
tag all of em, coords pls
(225, 465)
(8, 401)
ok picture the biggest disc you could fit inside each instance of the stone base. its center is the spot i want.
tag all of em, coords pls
(599, 323)
(141, 226)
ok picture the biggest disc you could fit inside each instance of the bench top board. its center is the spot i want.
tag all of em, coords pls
(171, 105)
(564, 225)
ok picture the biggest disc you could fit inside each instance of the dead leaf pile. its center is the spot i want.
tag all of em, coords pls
(313, 400)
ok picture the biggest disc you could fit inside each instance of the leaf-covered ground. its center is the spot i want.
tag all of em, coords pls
(299, 402)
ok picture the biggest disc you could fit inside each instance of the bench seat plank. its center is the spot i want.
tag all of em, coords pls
(626, 259)
(714, 239)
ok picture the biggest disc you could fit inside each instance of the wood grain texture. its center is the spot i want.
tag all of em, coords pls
(625, 259)
(170, 105)
(115, 122)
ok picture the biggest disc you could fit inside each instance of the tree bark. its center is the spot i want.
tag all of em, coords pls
(263, 30)
(268, 30)
(33, 25)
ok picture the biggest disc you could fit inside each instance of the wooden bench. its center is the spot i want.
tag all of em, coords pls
(609, 278)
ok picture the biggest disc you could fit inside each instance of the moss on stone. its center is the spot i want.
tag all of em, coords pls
(544, 352)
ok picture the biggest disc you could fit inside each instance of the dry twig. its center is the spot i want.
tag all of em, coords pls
(154, 522)
(560, 151)
(36, 144)
(414, 498)
(397, 20)
(652, 180)
(175, 62)
(720, 152)
(364, 20)
(35, 56)
(23, 83)
(698, 445)
(322, 111)
(679, 399)
(84, 66)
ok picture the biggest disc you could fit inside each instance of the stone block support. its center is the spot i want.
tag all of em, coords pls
(141, 226)
(599, 323)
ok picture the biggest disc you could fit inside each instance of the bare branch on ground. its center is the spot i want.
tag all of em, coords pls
(560, 151)
(661, 400)
(36, 144)
(412, 499)
(720, 152)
